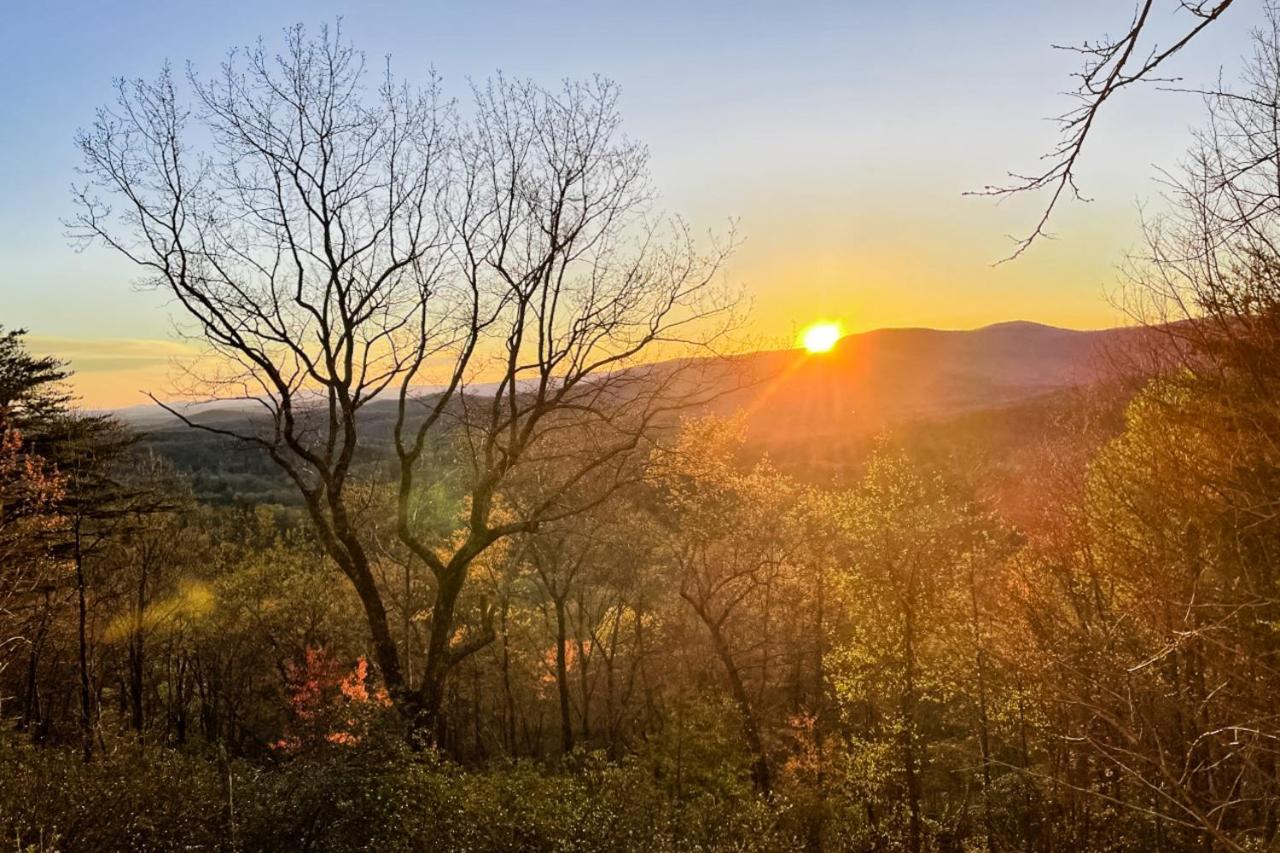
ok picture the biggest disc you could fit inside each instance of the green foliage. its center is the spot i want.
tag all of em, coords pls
(145, 801)
(31, 387)
(696, 750)
(377, 796)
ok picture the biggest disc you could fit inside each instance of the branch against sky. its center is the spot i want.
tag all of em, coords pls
(1109, 65)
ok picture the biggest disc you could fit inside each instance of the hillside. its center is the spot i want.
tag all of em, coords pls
(814, 413)
(879, 378)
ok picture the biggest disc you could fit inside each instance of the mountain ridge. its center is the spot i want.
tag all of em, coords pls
(814, 412)
(977, 347)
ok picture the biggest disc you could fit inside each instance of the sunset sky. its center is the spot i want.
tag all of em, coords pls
(842, 136)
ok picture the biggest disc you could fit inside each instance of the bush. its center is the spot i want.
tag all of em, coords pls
(153, 800)
(377, 795)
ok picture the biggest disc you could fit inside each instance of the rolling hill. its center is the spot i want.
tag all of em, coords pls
(809, 411)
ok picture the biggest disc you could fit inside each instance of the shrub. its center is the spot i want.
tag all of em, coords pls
(374, 795)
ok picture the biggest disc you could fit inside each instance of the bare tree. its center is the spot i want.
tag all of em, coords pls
(730, 537)
(1209, 282)
(1182, 506)
(1109, 65)
(333, 245)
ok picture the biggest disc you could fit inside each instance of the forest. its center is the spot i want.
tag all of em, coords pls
(504, 545)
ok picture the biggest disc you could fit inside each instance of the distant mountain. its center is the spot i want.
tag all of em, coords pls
(871, 379)
(891, 377)
(889, 374)
(811, 411)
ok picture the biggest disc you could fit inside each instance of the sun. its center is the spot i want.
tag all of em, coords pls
(821, 337)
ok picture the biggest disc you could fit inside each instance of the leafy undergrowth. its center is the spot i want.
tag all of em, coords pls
(374, 797)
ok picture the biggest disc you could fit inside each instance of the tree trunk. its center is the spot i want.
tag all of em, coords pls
(136, 716)
(137, 651)
(909, 758)
(562, 678)
(31, 712)
(584, 675)
(817, 824)
(760, 773)
(180, 703)
(406, 626)
(1025, 818)
(384, 645)
(82, 649)
(509, 730)
(341, 543)
(426, 723)
(984, 726)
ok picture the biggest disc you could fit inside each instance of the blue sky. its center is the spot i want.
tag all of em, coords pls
(841, 135)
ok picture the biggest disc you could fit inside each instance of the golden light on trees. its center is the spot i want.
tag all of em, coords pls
(821, 337)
